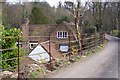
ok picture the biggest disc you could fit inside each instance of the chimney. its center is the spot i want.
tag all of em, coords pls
(25, 31)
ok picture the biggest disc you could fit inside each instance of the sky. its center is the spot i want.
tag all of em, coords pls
(51, 2)
(55, 2)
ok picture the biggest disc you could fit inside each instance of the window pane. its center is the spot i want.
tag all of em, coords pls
(66, 34)
(63, 34)
(31, 45)
(60, 34)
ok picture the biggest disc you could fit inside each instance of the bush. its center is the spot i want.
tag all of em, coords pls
(115, 33)
(90, 30)
(9, 43)
(63, 18)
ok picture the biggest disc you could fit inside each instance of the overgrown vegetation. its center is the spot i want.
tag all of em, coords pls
(89, 30)
(9, 40)
(115, 33)
(63, 18)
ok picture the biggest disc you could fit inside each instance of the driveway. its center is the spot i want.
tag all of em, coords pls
(101, 65)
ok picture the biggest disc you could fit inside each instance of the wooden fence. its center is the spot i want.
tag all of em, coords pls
(87, 43)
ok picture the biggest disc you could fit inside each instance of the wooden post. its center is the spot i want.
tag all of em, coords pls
(69, 49)
(50, 51)
(81, 45)
(99, 38)
(18, 58)
(103, 36)
(89, 43)
(95, 40)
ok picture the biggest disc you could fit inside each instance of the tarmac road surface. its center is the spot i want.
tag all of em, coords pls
(101, 65)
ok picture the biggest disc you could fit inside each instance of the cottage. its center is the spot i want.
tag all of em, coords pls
(57, 36)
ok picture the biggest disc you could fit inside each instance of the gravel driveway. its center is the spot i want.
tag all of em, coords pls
(102, 65)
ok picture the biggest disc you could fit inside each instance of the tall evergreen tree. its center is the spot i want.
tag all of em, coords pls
(37, 17)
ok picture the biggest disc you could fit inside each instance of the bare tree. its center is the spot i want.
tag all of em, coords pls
(77, 12)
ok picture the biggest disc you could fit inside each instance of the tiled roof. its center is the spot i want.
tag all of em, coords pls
(46, 30)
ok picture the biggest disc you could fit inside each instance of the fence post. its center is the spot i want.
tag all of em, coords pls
(99, 38)
(81, 45)
(69, 49)
(95, 40)
(18, 58)
(50, 51)
(89, 42)
(103, 36)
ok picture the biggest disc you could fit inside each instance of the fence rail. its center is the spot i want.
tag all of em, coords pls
(87, 43)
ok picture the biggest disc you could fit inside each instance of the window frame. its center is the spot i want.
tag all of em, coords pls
(62, 34)
(32, 47)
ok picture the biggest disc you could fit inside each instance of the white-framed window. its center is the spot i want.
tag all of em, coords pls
(33, 45)
(20, 44)
(62, 34)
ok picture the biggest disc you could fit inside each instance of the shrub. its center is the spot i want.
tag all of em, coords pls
(115, 33)
(90, 30)
(63, 18)
(9, 43)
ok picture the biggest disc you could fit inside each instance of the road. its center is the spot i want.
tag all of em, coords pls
(101, 65)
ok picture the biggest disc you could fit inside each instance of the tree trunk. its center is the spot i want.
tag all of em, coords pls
(77, 22)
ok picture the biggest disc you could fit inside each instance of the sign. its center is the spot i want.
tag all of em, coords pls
(64, 48)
